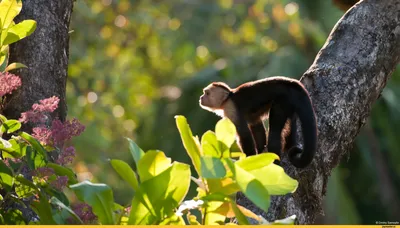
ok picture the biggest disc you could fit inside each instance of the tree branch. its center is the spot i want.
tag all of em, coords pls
(347, 76)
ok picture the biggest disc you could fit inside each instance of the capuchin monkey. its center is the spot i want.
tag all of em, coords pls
(278, 98)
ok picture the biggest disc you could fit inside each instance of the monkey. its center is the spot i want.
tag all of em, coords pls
(279, 99)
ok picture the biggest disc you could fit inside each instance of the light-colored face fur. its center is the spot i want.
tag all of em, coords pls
(213, 98)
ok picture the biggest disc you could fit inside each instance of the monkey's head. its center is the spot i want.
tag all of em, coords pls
(214, 96)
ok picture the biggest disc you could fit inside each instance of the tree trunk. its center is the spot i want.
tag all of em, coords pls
(45, 53)
(347, 76)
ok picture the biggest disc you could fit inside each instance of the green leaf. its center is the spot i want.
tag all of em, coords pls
(173, 220)
(286, 221)
(3, 118)
(250, 186)
(135, 150)
(34, 158)
(35, 144)
(275, 180)
(226, 132)
(16, 150)
(189, 143)
(9, 9)
(43, 209)
(24, 188)
(19, 31)
(212, 216)
(212, 167)
(6, 177)
(152, 163)
(225, 186)
(13, 217)
(241, 218)
(63, 171)
(3, 55)
(209, 144)
(257, 161)
(14, 66)
(125, 171)
(159, 196)
(61, 205)
(10, 126)
(99, 197)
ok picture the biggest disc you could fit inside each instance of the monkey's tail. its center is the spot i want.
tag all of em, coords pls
(305, 112)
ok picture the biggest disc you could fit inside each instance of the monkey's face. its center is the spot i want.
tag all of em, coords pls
(213, 97)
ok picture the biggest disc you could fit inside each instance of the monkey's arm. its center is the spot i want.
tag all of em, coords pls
(259, 135)
(246, 141)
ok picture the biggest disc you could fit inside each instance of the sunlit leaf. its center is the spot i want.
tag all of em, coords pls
(8, 10)
(126, 172)
(226, 132)
(14, 66)
(10, 126)
(135, 150)
(209, 144)
(160, 195)
(6, 176)
(275, 180)
(188, 142)
(152, 163)
(19, 31)
(257, 161)
(250, 186)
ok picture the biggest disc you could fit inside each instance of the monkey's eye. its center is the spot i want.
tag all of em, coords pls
(206, 92)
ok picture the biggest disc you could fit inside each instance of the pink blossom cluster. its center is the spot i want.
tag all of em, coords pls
(37, 114)
(84, 212)
(58, 132)
(60, 183)
(43, 172)
(8, 83)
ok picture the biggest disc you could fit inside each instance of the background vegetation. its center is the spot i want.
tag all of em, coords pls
(134, 65)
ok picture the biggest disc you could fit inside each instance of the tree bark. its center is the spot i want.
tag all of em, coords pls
(45, 53)
(346, 78)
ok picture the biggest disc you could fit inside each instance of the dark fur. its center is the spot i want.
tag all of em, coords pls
(282, 98)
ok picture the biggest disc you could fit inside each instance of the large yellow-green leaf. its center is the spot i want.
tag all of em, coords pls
(209, 144)
(257, 161)
(250, 186)
(189, 143)
(8, 10)
(14, 66)
(136, 152)
(126, 172)
(226, 132)
(275, 180)
(157, 197)
(152, 163)
(19, 31)
(212, 167)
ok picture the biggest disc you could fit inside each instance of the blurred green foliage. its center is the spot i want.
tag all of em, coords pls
(134, 65)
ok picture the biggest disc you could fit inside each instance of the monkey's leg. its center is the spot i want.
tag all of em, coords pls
(277, 119)
(246, 141)
(259, 135)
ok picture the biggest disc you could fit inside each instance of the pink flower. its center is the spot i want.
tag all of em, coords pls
(46, 105)
(43, 172)
(31, 116)
(8, 83)
(84, 212)
(64, 131)
(60, 183)
(43, 134)
(67, 156)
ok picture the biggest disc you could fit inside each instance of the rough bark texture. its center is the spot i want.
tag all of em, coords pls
(45, 52)
(346, 78)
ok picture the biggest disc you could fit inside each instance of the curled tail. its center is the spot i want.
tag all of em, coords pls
(305, 112)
